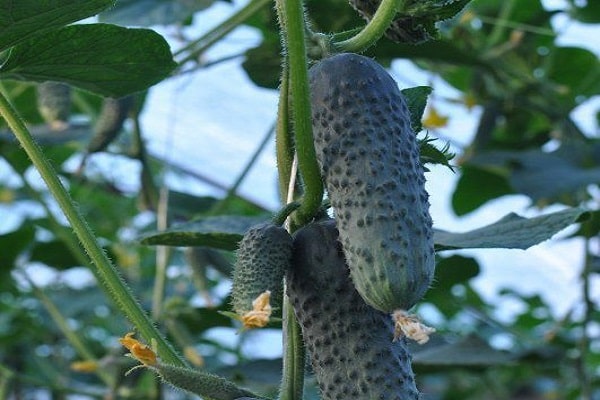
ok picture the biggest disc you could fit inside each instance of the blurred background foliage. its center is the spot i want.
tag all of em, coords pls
(58, 339)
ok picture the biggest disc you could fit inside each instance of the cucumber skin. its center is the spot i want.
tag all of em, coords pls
(369, 159)
(352, 354)
(263, 256)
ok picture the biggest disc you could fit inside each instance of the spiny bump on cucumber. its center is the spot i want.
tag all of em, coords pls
(263, 256)
(348, 341)
(369, 159)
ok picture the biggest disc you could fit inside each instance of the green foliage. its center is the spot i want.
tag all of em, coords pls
(502, 57)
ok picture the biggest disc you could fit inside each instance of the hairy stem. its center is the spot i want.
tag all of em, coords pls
(284, 141)
(105, 272)
(293, 36)
(374, 30)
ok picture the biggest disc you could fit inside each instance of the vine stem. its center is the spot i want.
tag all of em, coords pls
(374, 30)
(292, 14)
(105, 272)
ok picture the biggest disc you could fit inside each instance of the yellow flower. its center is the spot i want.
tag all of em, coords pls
(138, 350)
(84, 366)
(261, 312)
(434, 119)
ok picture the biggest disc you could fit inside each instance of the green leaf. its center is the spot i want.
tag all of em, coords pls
(546, 176)
(221, 232)
(54, 254)
(511, 231)
(430, 154)
(23, 19)
(13, 244)
(153, 12)
(416, 99)
(451, 271)
(263, 64)
(106, 59)
(588, 13)
(476, 186)
(576, 69)
(455, 269)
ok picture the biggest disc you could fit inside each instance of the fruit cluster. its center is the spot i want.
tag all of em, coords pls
(346, 276)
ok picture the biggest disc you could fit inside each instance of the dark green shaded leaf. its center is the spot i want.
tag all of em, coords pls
(449, 272)
(106, 59)
(455, 269)
(153, 12)
(576, 69)
(590, 227)
(22, 19)
(222, 232)
(588, 13)
(476, 186)
(54, 254)
(468, 352)
(511, 231)
(416, 99)
(12, 244)
(263, 64)
(546, 176)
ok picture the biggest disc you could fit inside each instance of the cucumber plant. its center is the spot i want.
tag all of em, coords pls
(343, 126)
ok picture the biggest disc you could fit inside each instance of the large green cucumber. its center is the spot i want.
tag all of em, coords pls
(349, 341)
(369, 158)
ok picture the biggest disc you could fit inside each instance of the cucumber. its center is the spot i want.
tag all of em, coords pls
(263, 257)
(110, 122)
(348, 341)
(369, 159)
(54, 104)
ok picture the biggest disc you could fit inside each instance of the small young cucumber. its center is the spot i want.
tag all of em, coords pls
(369, 159)
(110, 122)
(348, 341)
(263, 257)
(54, 104)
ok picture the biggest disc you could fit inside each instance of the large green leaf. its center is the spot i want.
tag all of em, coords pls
(107, 59)
(221, 232)
(511, 231)
(22, 19)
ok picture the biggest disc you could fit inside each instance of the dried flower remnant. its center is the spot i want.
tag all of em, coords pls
(408, 325)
